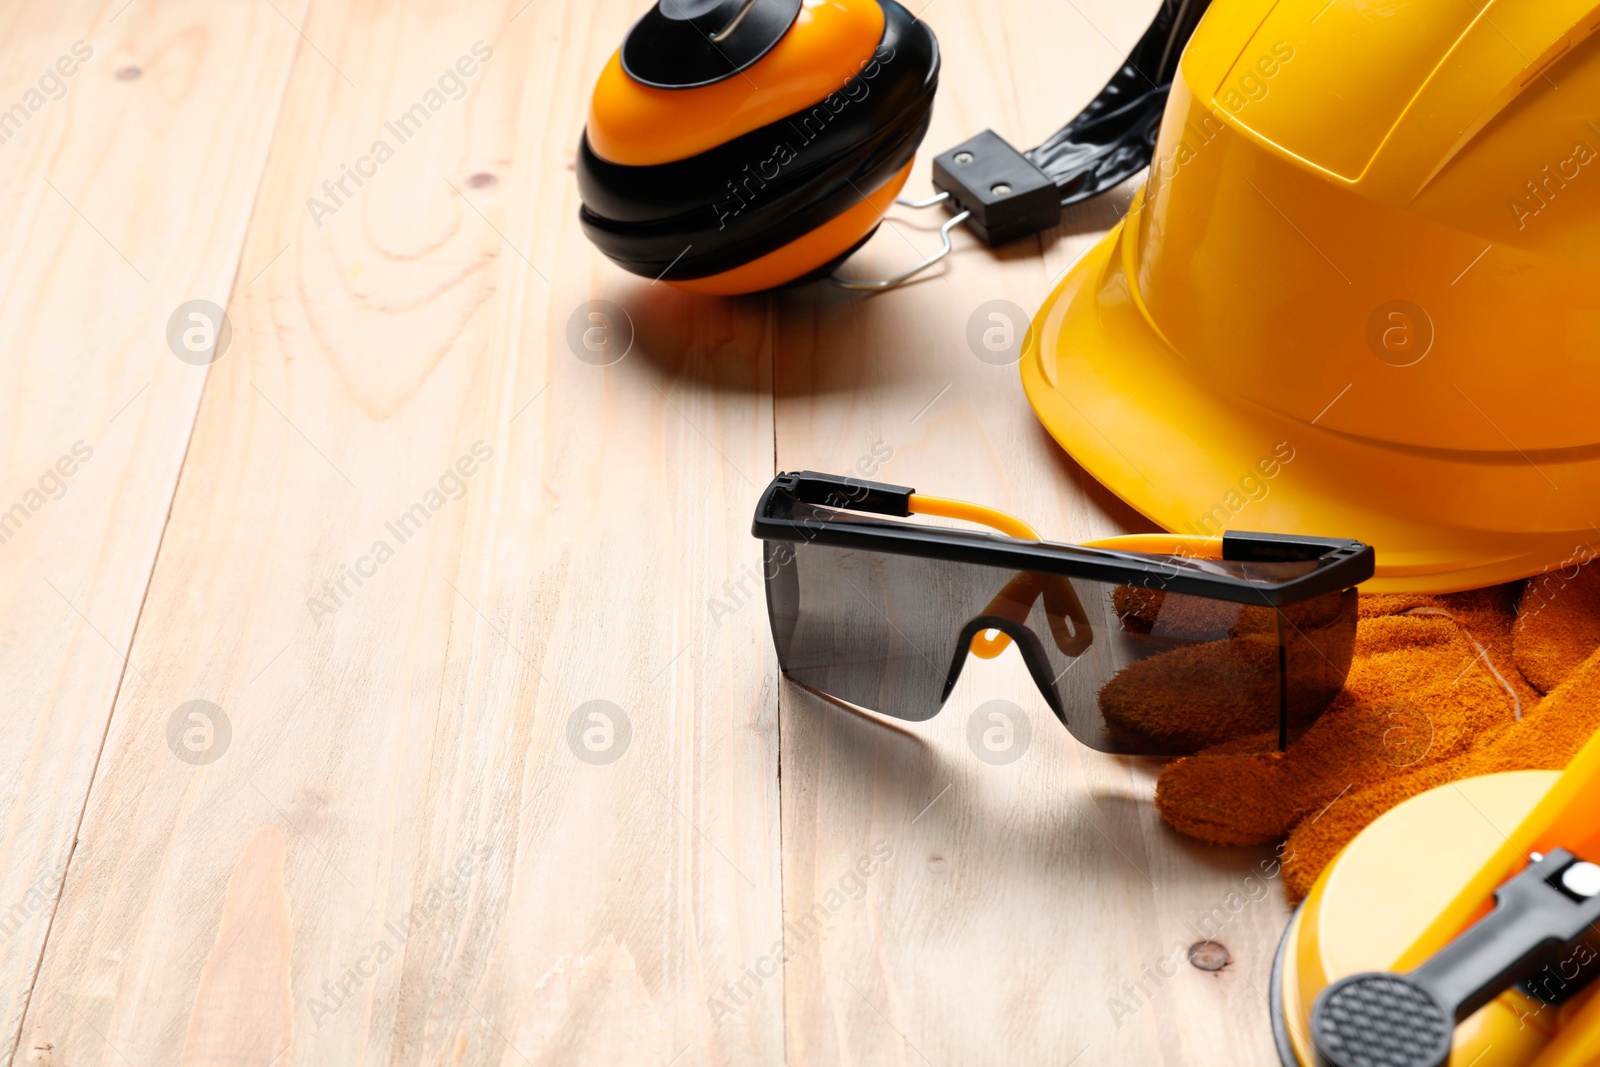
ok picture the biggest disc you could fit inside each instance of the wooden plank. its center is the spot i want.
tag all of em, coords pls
(128, 181)
(398, 855)
(1030, 912)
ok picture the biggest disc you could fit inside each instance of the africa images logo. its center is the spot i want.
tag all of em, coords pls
(407, 525)
(452, 85)
(744, 190)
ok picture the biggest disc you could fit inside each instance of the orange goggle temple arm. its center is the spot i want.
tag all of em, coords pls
(1016, 600)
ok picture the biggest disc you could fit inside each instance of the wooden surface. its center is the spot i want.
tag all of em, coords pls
(390, 850)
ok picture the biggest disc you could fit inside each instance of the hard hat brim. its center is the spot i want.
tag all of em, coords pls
(1192, 457)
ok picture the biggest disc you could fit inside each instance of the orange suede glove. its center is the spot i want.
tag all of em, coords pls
(1440, 688)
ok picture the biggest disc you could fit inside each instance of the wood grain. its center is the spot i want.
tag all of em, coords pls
(128, 183)
(459, 885)
(422, 536)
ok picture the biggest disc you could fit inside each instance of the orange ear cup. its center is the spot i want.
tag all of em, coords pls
(766, 175)
(639, 125)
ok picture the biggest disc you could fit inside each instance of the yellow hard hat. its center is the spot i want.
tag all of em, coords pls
(1359, 294)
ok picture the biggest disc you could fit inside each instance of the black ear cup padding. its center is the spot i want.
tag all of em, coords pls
(738, 201)
(702, 247)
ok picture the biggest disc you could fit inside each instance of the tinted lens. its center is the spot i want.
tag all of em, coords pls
(875, 629)
(1169, 674)
(1128, 669)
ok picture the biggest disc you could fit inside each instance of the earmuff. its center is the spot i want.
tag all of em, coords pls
(740, 145)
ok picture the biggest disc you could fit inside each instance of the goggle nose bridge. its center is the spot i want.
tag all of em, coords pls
(1027, 642)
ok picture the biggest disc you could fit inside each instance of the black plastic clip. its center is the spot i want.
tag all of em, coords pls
(1007, 195)
(849, 494)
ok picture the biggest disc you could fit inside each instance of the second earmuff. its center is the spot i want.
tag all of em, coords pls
(738, 145)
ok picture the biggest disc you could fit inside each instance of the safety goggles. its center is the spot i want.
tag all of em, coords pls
(1141, 645)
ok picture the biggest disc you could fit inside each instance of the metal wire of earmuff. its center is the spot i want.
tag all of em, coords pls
(722, 34)
(891, 282)
(936, 198)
